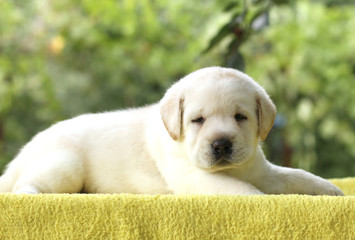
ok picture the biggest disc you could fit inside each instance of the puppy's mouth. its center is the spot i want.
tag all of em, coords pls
(219, 165)
(223, 162)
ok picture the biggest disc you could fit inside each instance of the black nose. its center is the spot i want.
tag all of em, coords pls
(222, 147)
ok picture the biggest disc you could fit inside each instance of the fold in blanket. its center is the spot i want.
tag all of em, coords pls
(128, 216)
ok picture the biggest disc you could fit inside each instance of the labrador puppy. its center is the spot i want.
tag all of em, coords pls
(202, 137)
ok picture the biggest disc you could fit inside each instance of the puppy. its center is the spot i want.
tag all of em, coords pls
(202, 137)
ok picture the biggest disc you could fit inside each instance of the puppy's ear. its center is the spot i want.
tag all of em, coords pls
(171, 110)
(266, 113)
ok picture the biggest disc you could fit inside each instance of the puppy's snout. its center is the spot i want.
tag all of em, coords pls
(222, 147)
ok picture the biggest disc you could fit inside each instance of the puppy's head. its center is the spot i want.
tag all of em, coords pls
(219, 115)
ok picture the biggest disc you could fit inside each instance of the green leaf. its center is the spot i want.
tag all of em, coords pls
(222, 33)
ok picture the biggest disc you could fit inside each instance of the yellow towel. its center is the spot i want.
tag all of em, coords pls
(128, 216)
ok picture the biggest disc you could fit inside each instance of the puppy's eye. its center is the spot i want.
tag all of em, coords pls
(240, 117)
(199, 120)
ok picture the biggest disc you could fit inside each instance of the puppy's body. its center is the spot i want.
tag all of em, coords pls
(90, 153)
(202, 137)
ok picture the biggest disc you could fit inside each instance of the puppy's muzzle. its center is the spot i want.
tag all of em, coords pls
(222, 149)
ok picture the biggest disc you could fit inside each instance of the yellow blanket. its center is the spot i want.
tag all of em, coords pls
(127, 216)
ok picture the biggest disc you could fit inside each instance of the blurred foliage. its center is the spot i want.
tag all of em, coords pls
(245, 17)
(59, 59)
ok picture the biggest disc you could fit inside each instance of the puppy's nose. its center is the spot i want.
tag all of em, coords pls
(222, 147)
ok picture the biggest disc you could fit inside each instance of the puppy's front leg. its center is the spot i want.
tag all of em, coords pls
(283, 180)
(198, 182)
(192, 180)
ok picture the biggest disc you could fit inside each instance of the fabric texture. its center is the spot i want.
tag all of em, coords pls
(128, 216)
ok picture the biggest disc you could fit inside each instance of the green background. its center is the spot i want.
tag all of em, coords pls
(59, 59)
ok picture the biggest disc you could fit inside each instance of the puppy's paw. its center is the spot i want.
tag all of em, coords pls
(27, 189)
(324, 187)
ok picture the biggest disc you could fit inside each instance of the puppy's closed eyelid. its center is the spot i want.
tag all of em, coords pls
(240, 117)
(199, 120)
